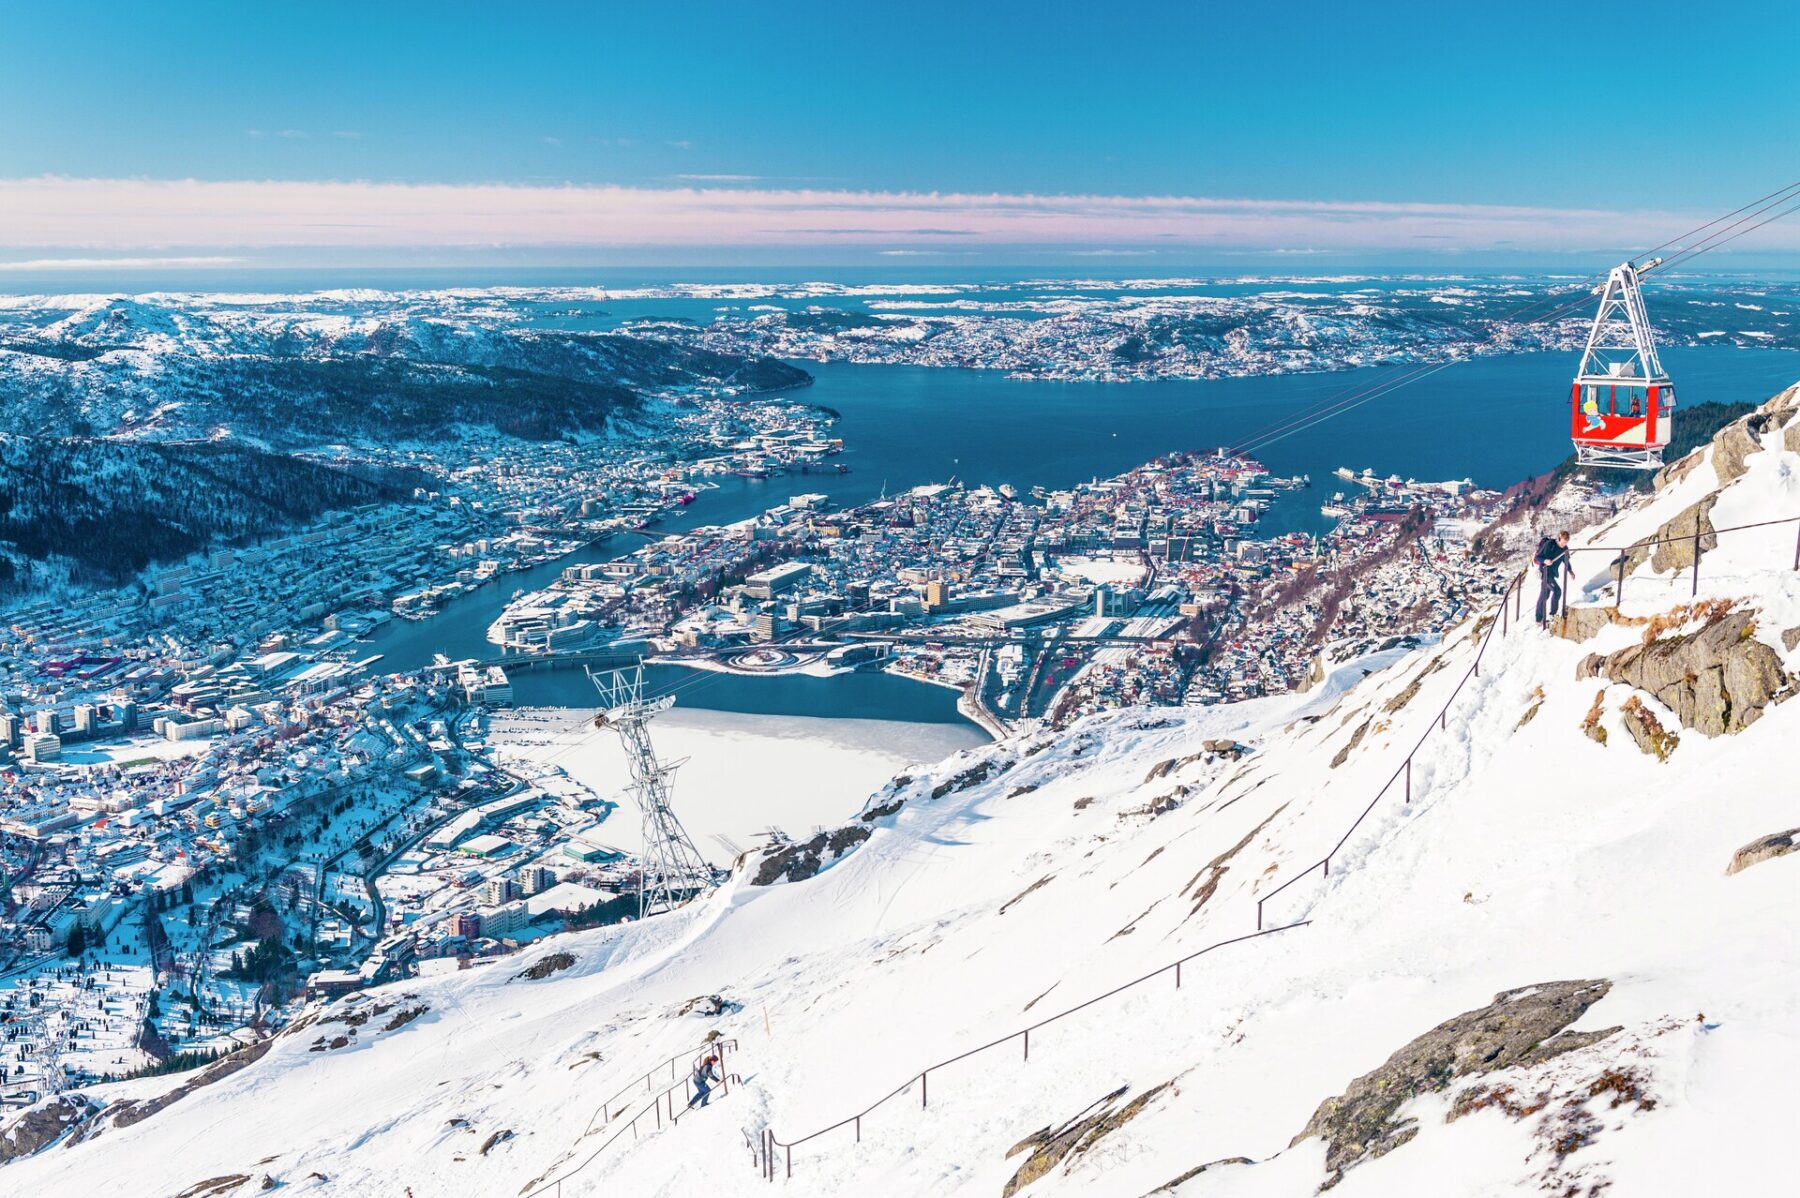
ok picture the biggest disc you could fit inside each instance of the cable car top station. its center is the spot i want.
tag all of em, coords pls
(1621, 406)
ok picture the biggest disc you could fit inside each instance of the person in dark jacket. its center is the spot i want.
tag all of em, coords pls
(1552, 559)
(704, 1077)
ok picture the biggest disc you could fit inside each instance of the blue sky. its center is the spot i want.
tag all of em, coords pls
(1636, 114)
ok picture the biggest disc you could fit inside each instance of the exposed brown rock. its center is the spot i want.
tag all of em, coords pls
(1522, 1027)
(1581, 623)
(1763, 848)
(217, 1071)
(1732, 446)
(1205, 884)
(1169, 1187)
(1591, 727)
(212, 1187)
(798, 862)
(1675, 543)
(543, 967)
(1647, 730)
(1343, 754)
(1716, 680)
(42, 1125)
(1050, 1146)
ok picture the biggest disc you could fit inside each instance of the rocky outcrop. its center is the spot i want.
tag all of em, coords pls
(1522, 1027)
(1169, 1187)
(1647, 730)
(130, 1112)
(1675, 545)
(1591, 727)
(42, 1125)
(1717, 680)
(798, 862)
(1732, 447)
(1581, 623)
(1050, 1146)
(1763, 848)
(543, 967)
(1210, 750)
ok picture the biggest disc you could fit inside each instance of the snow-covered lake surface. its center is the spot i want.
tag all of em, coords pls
(743, 773)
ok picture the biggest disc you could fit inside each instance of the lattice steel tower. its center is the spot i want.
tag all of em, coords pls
(673, 869)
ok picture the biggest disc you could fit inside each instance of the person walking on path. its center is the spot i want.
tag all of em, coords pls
(704, 1077)
(1552, 560)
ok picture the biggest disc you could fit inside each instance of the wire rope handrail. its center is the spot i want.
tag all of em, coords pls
(1500, 617)
(658, 1100)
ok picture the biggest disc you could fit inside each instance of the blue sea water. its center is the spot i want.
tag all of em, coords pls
(1495, 420)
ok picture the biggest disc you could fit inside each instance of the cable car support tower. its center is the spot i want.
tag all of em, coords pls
(672, 869)
(1622, 403)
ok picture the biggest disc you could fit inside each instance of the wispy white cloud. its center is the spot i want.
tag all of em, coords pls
(550, 141)
(681, 144)
(172, 215)
(346, 134)
(716, 178)
(193, 260)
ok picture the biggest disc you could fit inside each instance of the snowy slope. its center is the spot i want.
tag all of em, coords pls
(1018, 880)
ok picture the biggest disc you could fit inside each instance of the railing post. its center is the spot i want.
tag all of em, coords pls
(1328, 867)
(1695, 589)
(790, 1160)
(1409, 779)
(1178, 975)
(1618, 584)
(1028, 1044)
(1259, 904)
(924, 1098)
(1797, 547)
(859, 1129)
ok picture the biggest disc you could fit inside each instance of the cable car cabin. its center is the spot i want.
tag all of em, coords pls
(1621, 406)
(1623, 422)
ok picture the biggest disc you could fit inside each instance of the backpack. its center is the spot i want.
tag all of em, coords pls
(1547, 551)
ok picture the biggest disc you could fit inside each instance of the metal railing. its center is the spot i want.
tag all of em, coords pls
(660, 1100)
(603, 1115)
(1623, 553)
(1515, 592)
(1507, 612)
(1403, 772)
(922, 1078)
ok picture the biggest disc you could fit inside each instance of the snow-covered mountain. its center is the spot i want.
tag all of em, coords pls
(330, 367)
(1565, 965)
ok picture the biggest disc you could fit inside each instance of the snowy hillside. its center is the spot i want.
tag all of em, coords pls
(330, 367)
(1537, 975)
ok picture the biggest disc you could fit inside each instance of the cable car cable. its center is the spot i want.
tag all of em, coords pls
(1325, 409)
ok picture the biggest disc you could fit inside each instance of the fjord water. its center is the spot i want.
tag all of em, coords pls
(1495, 420)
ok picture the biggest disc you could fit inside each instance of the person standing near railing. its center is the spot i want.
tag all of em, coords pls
(1552, 560)
(704, 1077)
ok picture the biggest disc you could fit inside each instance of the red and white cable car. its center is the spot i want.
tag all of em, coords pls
(1621, 406)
